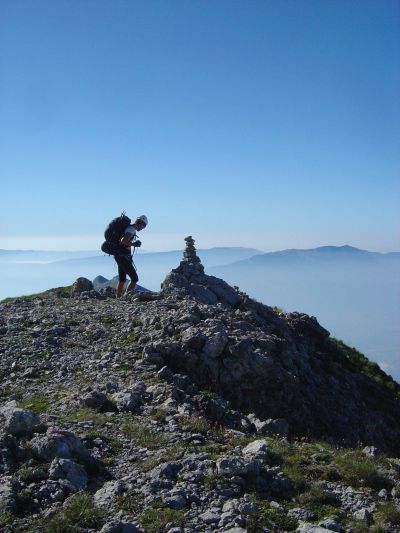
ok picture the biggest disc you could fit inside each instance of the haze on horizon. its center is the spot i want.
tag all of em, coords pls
(272, 125)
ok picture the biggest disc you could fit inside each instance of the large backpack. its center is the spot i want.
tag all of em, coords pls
(113, 234)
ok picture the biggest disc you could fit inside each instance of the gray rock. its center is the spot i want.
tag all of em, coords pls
(68, 469)
(371, 451)
(215, 345)
(231, 466)
(175, 500)
(277, 426)
(106, 496)
(299, 513)
(59, 443)
(7, 495)
(257, 449)
(127, 401)
(119, 526)
(363, 514)
(99, 401)
(305, 527)
(209, 517)
(81, 285)
(331, 524)
(166, 470)
(18, 422)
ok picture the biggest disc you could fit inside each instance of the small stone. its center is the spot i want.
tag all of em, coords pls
(209, 517)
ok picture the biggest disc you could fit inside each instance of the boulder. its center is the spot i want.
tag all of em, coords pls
(18, 422)
(59, 443)
(99, 401)
(81, 285)
(106, 496)
(69, 470)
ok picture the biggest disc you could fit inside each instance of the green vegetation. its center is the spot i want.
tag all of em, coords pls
(173, 453)
(25, 474)
(85, 414)
(6, 518)
(304, 463)
(112, 442)
(271, 519)
(211, 481)
(59, 292)
(389, 513)
(278, 310)
(355, 360)
(38, 403)
(214, 450)
(357, 470)
(128, 339)
(142, 435)
(79, 512)
(129, 503)
(108, 320)
(194, 424)
(156, 517)
(158, 415)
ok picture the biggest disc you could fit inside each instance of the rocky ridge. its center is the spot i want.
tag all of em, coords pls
(193, 409)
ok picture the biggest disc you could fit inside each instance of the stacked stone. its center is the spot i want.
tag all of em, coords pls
(191, 263)
(189, 254)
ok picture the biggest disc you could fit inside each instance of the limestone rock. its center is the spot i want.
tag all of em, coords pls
(18, 422)
(69, 470)
(81, 285)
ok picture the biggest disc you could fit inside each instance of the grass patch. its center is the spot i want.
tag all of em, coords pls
(38, 403)
(85, 414)
(194, 424)
(158, 415)
(142, 435)
(79, 512)
(357, 470)
(108, 320)
(60, 292)
(211, 481)
(6, 518)
(112, 442)
(389, 513)
(270, 519)
(129, 503)
(157, 517)
(25, 474)
(355, 360)
(128, 339)
(213, 450)
(301, 462)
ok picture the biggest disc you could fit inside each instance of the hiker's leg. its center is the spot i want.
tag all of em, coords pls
(131, 286)
(119, 290)
(130, 269)
(121, 276)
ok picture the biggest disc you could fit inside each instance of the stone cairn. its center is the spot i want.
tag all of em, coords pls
(190, 263)
(189, 253)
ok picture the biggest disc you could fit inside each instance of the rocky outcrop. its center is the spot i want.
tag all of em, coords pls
(191, 410)
(275, 366)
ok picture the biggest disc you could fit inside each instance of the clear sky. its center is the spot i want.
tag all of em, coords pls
(272, 123)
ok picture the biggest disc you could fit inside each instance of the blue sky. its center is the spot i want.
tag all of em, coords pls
(271, 123)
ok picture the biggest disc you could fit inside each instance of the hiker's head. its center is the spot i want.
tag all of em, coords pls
(141, 222)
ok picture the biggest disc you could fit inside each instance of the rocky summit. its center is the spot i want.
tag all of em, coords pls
(194, 409)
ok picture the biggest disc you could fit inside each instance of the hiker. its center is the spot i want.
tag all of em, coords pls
(120, 236)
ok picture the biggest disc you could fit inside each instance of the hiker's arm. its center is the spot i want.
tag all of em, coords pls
(126, 239)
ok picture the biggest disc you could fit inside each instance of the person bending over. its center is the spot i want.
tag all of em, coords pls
(123, 257)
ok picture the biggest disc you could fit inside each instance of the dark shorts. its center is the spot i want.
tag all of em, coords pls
(125, 266)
